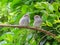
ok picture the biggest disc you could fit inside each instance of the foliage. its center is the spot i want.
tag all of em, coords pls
(12, 10)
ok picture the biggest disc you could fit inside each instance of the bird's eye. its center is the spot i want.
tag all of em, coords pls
(36, 16)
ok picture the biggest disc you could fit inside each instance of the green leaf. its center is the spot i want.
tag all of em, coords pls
(51, 18)
(33, 42)
(55, 43)
(51, 8)
(4, 2)
(44, 17)
(49, 24)
(39, 5)
(47, 43)
(58, 38)
(55, 5)
(3, 43)
(24, 9)
(8, 36)
(14, 3)
(29, 37)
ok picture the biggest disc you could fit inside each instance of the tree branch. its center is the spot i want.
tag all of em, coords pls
(32, 28)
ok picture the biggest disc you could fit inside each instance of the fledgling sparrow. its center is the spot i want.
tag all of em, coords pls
(25, 20)
(37, 21)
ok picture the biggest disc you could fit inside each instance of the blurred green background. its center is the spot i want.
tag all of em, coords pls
(12, 10)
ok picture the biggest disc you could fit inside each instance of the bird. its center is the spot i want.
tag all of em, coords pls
(37, 21)
(25, 20)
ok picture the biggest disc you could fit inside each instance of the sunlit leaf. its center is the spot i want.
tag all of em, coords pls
(8, 36)
(51, 8)
(29, 37)
(47, 43)
(3, 43)
(49, 24)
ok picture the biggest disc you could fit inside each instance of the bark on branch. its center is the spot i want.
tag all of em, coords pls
(32, 28)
